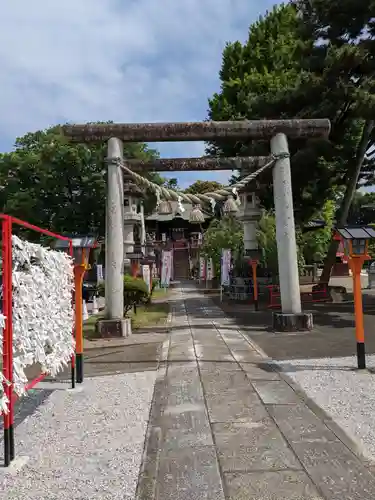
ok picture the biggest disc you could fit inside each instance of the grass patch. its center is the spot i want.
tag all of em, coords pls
(150, 315)
(89, 326)
(146, 317)
(160, 293)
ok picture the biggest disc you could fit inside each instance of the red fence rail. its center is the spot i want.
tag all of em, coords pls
(274, 296)
(7, 223)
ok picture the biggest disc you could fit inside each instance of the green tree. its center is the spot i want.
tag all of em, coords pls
(314, 244)
(201, 187)
(226, 233)
(171, 184)
(362, 211)
(308, 60)
(342, 61)
(254, 77)
(59, 185)
(266, 237)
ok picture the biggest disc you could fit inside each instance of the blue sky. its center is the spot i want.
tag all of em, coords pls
(120, 60)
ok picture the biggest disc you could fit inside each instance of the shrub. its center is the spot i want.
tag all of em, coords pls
(100, 289)
(154, 284)
(135, 292)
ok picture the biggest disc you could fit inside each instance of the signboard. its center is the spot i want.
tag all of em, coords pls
(210, 270)
(166, 268)
(202, 268)
(146, 275)
(226, 258)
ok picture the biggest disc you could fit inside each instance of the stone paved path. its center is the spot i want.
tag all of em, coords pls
(225, 426)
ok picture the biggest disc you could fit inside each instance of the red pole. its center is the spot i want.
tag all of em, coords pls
(10, 337)
(73, 359)
(7, 337)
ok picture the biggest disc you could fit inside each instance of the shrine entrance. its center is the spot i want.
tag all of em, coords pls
(123, 177)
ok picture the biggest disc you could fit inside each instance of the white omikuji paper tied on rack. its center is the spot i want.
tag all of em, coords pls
(43, 315)
(3, 399)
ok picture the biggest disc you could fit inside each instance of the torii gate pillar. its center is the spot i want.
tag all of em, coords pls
(291, 318)
(114, 324)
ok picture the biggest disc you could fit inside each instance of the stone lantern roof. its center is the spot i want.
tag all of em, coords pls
(130, 188)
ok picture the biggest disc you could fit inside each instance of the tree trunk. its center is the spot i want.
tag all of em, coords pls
(343, 211)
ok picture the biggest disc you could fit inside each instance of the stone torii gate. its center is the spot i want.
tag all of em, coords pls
(277, 131)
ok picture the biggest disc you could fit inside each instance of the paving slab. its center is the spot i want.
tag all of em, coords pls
(253, 446)
(278, 485)
(222, 381)
(181, 353)
(233, 406)
(247, 355)
(186, 427)
(259, 371)
(219, 366)
(338, 472)
(299, 424)
(208, 353)
(189, 474)
(226, 425)
(275, 392)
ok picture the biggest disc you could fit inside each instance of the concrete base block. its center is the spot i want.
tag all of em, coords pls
(114, 328)
(284, 322)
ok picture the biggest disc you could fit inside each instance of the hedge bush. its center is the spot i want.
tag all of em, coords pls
(135, 292)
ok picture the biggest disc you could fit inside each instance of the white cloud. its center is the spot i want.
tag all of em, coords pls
(127, 61)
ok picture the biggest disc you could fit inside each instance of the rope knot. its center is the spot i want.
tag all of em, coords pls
(116, 160)
(280, 156)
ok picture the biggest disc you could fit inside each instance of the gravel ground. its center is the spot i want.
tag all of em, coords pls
(347, 395)
(83, 445)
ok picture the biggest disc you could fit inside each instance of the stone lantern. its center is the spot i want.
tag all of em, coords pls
(132, 216)
(249, 213)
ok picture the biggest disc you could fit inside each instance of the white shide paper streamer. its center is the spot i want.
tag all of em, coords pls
(43, 315)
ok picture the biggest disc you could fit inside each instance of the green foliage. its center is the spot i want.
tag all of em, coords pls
(100, 289)
(171, 184)
(266, 237)
(363, 213)
(363, 209)
(310, 246)
(314, 244)
(226, 233)
(201, 187)
(59, 185)
(135, 292)
(284, 70)
(154, 284)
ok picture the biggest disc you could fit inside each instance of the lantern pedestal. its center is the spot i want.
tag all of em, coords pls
(284, 322)
(113, 328)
